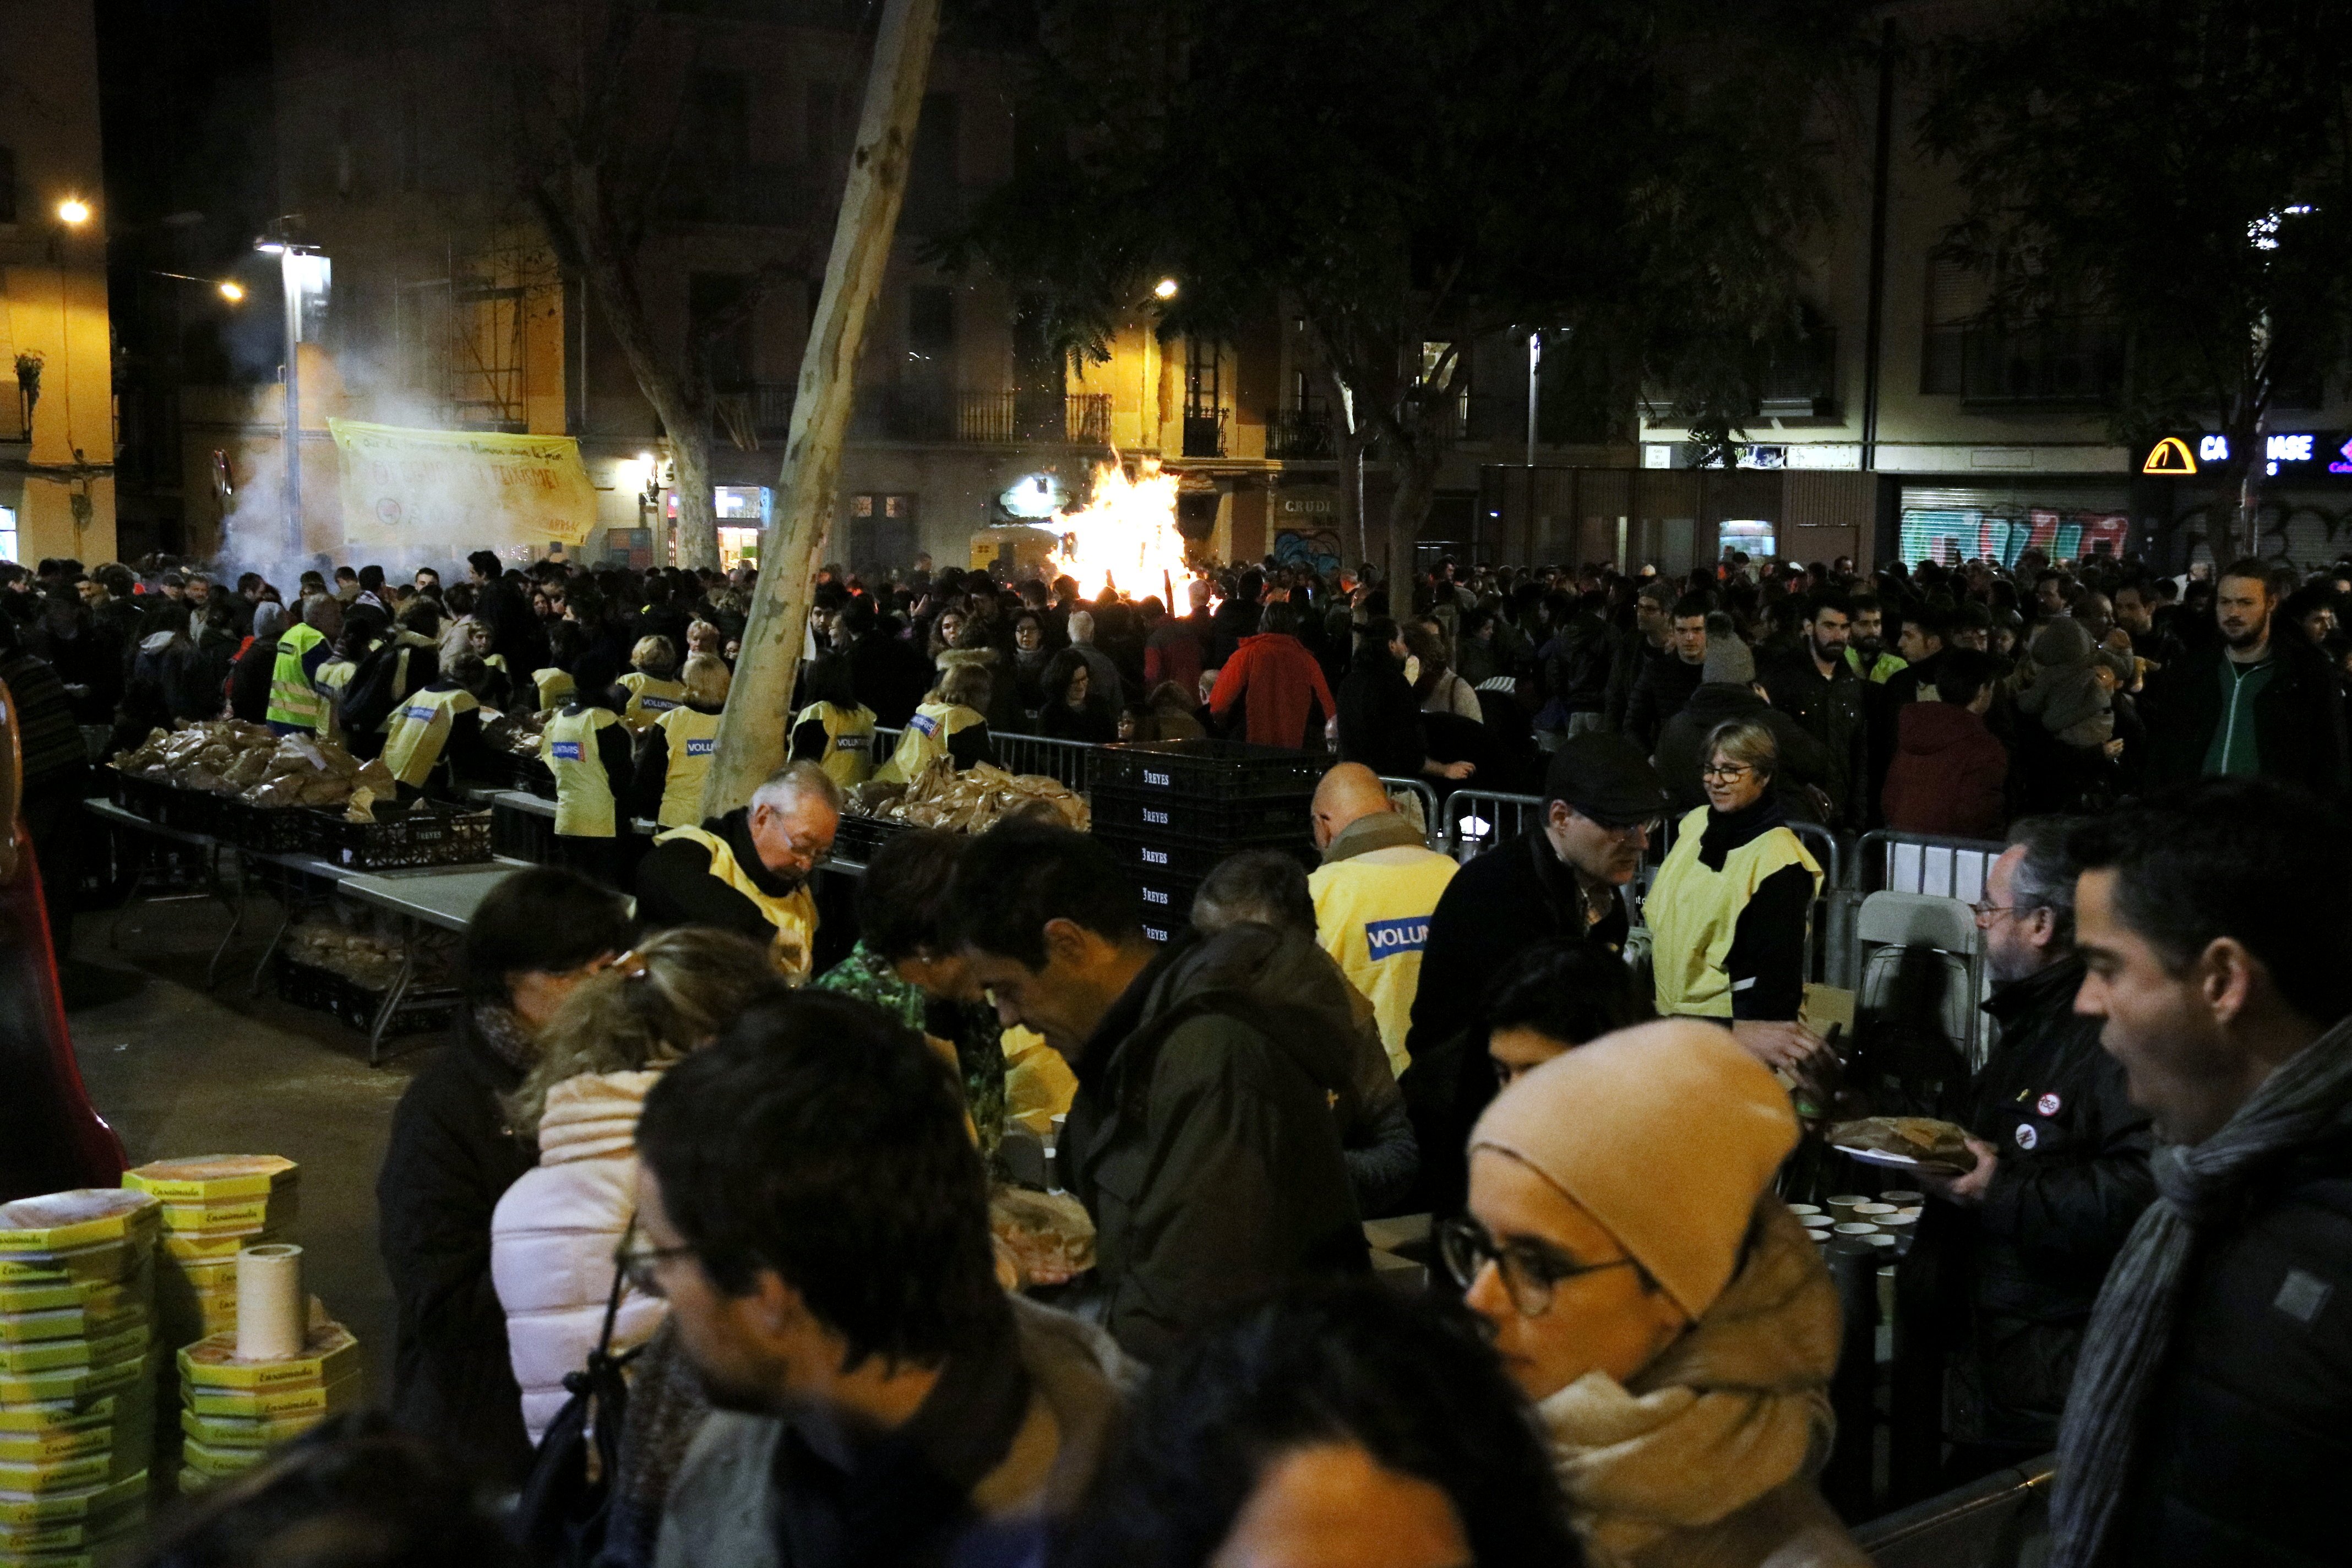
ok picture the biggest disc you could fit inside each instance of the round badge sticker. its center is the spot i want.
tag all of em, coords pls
(2026, 1137)
(2048, 1104)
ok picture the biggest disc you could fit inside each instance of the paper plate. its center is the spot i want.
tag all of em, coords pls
(1877, 1157)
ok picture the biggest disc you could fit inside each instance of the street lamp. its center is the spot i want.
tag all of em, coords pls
(304, 272)
(231, 290)
(73, 211)
(1165, 290)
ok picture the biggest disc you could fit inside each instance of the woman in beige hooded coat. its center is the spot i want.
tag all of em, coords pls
(1661, 1306)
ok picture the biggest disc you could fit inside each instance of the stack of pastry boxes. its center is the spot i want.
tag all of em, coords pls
(76, 1372)
(236, 1411)
(214, 1206)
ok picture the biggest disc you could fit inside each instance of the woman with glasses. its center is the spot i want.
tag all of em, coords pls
(1729, 910)
(1656, 1302)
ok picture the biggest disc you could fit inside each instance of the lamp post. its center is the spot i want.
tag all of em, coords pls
(303, 270)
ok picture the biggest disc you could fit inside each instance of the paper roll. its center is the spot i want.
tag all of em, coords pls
(269, 1302)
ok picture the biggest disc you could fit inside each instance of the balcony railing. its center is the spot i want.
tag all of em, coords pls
(1300, 433)
(2060, 361)
(980, 418)
(1204, 434)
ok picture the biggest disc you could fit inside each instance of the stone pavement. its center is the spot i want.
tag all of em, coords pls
(177, 1071)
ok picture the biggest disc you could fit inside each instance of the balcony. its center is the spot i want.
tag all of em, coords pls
(2062, 361)
(980, 418)
(1300, 433)
(760, 195)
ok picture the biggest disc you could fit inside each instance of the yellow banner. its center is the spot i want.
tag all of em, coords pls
(463, 489)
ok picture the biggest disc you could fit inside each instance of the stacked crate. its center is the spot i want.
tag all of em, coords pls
(1171, 809)
(76, 1372)
(232, 1413)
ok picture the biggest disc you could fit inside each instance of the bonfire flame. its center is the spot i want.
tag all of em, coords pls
(1126, 533)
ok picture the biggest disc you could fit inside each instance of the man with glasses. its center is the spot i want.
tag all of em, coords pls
(749, 871)
(814, 1212)
(2061, 1174)
(1558, 881)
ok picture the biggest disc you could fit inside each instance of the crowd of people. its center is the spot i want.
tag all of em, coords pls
(693, 1136)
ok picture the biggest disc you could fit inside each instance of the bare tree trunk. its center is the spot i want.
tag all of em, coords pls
(698, 524)
(751, 733)
(1416, 477)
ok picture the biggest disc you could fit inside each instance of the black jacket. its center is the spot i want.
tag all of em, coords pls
(249, 680)
(1380, 721)
(2298, 718)
(2073, 1180)
(675, 887)
(1512, 896)
(1635, 653)
(1658, 694)
(2248, 1431)
(450, 1159)
(1830, 706)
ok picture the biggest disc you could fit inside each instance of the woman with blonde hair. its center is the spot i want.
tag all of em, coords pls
(947, 723)
(651, 688)
(555, 1230)
(1728, 911)
(674, 759)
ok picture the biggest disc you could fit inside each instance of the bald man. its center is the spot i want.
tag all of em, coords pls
(1374, 893)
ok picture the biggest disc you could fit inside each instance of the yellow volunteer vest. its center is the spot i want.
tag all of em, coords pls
(292, 699)
(583, 794)
(1694, 912)
(555, 687)
(649, 699)
(420, 728)
(925, 737)
(330, 677)
(692, 737)
(849, 740)
(1371, 915)
(793, 947)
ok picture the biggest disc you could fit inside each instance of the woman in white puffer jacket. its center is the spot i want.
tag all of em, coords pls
(555, 1231)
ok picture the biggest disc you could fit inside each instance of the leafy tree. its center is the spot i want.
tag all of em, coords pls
(1406, 177)
(2181, 169)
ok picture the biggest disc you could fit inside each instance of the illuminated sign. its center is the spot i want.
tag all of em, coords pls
(2301, 456)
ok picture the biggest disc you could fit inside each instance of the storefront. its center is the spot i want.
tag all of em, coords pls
(2062, 519)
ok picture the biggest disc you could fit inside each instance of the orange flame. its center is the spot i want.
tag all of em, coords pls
(1125, 535)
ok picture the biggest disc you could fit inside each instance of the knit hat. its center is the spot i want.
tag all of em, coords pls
(1728, 661)
(1667, 1134)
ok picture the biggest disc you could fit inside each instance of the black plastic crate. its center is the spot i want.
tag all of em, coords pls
(1166, 815)
(418, 834)
(1162, 858)
(521, 834)
(264, 829)
(859, 839)
(189, 810)
(1167, 900)
(1209, 770)
(527, 774)
(342, 997)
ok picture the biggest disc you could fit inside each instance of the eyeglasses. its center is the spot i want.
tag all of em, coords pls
(1727, 772)
(1530, 1273)
(642, 1265)
(1987, 913)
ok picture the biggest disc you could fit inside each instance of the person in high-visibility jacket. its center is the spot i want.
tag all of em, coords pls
(295, 703)
(835, 731)
(674, 758)
(749, 870)
(440, 721)
(650, 688)
(587, 747)
(1374, 894)
(1729, 910)
(947, 723)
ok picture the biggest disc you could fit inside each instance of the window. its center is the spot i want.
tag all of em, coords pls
(1436, 364)
(720, 329)
(931, 174)
(930, 323)
(718, 118)
(7, 185)
(9, 551)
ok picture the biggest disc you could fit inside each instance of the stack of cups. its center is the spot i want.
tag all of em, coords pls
(1817, 1224)
(274, 1375)
(1866, 1224)
(76, 1372)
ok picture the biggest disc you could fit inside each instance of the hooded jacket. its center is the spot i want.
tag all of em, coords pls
(553, 1234)
(1706, 1458)
(1202, 1139)
(2298, 718)
(2065, 694)
(1947, 774)
(1280, 690)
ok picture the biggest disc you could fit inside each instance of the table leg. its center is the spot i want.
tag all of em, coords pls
(138, 880)
(236, 915)
(391, 998)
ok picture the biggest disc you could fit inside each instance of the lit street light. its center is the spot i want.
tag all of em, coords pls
(1165, 290)
(231, 290)
(303, 272)
(73, 211)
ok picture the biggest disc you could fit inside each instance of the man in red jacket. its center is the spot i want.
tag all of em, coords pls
(1276, 682)
(1949, 769)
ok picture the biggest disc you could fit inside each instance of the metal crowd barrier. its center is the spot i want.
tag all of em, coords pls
(1433, 825)
(1477, 819)
(1071, 761)
(1886, 861)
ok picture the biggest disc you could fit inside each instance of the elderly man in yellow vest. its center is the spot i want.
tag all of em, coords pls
(1378, 885)
(749, 870)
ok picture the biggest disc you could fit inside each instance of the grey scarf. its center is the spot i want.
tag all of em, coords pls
(2131, 1327)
